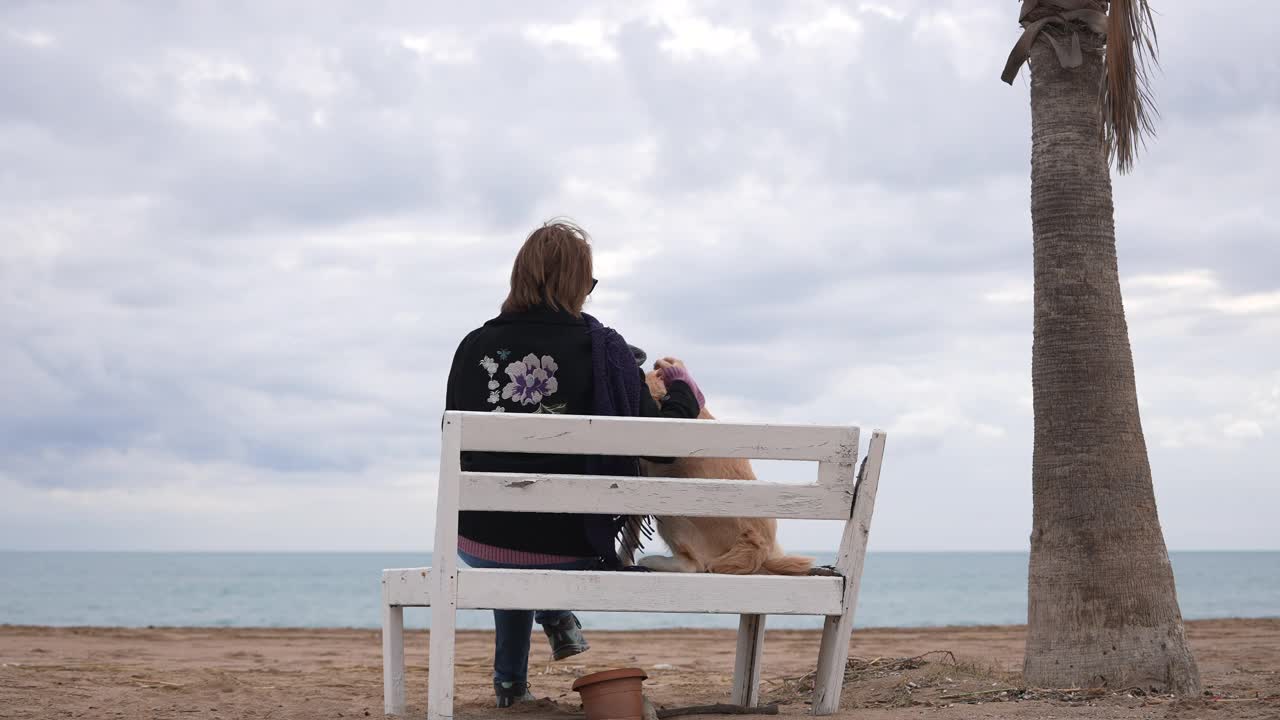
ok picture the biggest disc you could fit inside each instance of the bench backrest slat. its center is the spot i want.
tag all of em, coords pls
(582, 435)
(653, 496)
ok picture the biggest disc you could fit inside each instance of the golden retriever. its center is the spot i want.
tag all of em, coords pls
(735, 546)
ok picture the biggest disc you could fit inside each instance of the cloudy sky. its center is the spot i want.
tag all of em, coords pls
(239, 243)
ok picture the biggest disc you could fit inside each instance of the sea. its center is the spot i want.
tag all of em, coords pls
(899, 589)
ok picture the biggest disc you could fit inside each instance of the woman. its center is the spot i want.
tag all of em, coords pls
(544, 355)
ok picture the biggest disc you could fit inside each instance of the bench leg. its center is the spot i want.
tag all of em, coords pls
(393, 659)
(444, 575)
(832, 658)
(444, 613)
(746, 670)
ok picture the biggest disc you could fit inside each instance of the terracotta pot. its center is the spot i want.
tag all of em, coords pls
(612, 694)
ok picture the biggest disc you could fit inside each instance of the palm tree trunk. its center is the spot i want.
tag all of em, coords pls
(1102, 609)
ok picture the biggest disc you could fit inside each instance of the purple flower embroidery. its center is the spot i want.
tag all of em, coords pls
(532, 379)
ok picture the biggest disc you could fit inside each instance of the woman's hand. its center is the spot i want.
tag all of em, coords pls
(672, 370)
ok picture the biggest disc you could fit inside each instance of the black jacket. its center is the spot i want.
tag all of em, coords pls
(534, 361)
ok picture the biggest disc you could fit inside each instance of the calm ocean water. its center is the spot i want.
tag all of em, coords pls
(342, 590)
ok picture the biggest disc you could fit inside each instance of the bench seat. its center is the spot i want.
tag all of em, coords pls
(623, 591)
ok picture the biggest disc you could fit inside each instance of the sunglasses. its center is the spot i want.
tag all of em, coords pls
(593, 285)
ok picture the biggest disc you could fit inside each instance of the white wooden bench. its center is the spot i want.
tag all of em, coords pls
(832, 497)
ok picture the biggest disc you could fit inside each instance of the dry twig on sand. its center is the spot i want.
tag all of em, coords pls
(719, 709)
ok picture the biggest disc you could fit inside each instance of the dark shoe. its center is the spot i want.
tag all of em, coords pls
(510, 693)
(566, 638)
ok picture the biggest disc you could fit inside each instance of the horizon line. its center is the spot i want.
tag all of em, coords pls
(269, 551)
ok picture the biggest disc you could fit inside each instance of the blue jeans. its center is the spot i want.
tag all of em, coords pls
(513, 627)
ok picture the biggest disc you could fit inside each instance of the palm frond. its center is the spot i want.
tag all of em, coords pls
(1132, 54)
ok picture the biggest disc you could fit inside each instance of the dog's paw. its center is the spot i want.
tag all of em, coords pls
(654, 562)
(665, 563)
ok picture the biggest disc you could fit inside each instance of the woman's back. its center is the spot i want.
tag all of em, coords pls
(536, 361)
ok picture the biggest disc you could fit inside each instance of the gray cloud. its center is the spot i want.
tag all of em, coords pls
(237, 250)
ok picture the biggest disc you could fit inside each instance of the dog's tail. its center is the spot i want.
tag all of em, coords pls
(741, 559)
(787, 565)
(750, 555)
(746, 557)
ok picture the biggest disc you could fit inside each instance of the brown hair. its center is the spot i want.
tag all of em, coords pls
(553, 268)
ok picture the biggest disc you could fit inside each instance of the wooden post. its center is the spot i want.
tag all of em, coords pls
(746, 669)
(834, 653)
(444, 574)
(393, 696)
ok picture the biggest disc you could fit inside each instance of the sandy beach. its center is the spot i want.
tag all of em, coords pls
(297, 673)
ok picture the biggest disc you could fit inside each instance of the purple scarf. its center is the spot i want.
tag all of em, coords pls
(617, 386)
(616, 382)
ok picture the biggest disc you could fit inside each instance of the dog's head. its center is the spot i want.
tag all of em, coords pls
(657, 388)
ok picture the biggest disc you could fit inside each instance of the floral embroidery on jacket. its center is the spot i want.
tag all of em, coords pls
(532, 379)
(491, 367)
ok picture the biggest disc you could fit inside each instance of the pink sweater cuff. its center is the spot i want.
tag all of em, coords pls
(674, 373)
